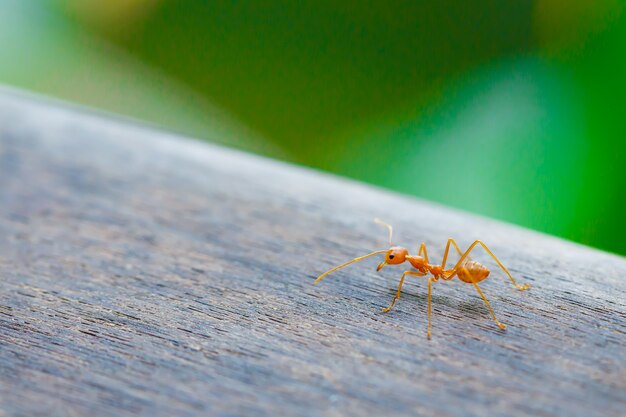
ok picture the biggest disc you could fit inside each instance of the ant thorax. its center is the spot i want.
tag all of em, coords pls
(418, 263)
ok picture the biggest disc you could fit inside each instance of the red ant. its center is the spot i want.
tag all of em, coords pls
(466, 270)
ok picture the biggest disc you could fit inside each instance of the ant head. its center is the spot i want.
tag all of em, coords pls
(394, 256)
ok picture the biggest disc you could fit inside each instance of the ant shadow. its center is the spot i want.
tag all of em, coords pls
(474, 307)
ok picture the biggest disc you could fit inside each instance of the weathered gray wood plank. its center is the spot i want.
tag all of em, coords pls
(142, 273)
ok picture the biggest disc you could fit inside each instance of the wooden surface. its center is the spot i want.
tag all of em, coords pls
(142, 273)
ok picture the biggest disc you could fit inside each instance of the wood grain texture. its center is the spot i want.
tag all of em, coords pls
(143, 273)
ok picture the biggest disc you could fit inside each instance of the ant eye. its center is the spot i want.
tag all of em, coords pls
(391, 256)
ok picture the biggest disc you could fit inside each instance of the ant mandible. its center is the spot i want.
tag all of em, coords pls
(466, 270)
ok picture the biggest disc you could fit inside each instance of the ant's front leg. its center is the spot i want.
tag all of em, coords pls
(414, 273)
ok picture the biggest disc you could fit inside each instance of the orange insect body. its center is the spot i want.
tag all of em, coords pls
(473, 272)
(466, 270)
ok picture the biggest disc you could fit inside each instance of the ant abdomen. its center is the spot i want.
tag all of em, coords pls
(473, 272)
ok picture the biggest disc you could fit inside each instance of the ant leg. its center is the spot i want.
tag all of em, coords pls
(421, 250)
(451, 272)
(500, 325)
(429, 308)
(479, 242)
(397, 296)
(519, 287)
(445, 253)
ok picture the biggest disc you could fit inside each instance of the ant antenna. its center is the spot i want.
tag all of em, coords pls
(360, 258)
(388, 226)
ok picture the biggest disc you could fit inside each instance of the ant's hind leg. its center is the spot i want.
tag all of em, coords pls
(429, 304)
(519, 287)
(397, 296)
(479, 242)
(500, 325)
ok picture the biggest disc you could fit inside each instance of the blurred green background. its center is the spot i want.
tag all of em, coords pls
(514, 110)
